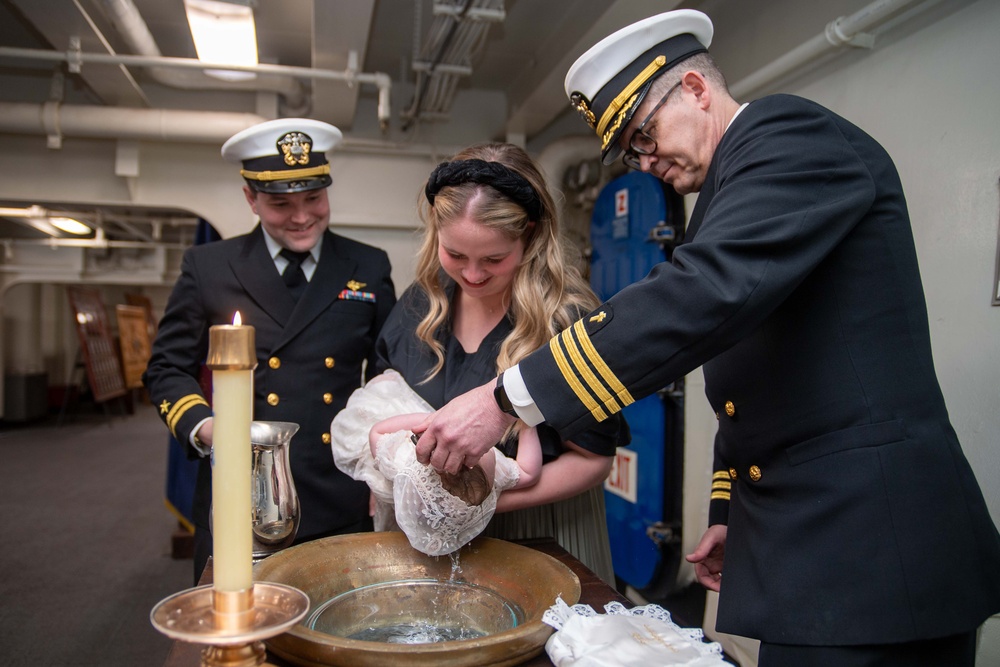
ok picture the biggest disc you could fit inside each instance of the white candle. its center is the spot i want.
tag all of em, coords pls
(231, 357)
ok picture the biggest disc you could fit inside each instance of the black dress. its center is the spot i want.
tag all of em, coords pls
(578, 524)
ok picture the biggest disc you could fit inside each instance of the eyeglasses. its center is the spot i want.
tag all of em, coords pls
(641, 143)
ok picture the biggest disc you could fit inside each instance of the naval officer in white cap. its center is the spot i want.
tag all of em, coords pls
(842, 503)
(317, 301)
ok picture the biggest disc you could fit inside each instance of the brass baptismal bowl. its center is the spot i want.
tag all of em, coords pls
(365, 575)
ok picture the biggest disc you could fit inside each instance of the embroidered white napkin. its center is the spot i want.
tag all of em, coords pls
(624, 637)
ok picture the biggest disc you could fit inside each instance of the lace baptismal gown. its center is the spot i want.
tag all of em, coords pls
(409, 495)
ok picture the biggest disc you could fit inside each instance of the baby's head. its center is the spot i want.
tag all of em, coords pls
(471, 485)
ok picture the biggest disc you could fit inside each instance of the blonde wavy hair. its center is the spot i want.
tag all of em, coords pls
(547, 293)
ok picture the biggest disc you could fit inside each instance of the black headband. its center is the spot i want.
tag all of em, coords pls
(499, 177)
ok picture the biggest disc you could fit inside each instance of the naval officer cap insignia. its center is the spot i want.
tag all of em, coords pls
(608, 82)
(284, 155)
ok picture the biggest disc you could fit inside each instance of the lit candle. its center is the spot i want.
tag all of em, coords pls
(232, 358)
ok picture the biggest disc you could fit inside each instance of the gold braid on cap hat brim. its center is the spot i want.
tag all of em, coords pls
(286, 174)
(621, 102)
(580, 103)
(606, 139)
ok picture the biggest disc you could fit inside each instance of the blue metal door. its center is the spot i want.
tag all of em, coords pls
(628, 223)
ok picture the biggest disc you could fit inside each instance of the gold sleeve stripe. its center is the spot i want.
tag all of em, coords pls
(720, 474)
(600, 366)
(180, 407)
(722, 485)
(591, 379)
(720, 495)
(184, 521)
(598, 389)
(588, 401)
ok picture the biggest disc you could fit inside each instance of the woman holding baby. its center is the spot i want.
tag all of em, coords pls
(492, 285)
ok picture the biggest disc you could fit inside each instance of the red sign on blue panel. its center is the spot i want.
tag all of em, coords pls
(623, 478)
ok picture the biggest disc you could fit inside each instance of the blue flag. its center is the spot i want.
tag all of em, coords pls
(182, 471)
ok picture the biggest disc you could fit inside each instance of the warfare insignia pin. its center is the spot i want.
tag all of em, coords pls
(354, 285)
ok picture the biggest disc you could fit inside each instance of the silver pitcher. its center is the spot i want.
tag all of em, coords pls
(275, 504)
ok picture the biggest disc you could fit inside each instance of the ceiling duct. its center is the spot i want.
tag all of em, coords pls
(125, 16)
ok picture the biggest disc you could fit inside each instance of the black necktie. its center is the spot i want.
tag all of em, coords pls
(294, 276)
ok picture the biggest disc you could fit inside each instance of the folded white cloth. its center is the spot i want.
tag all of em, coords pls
(408, 494)
(638, 636)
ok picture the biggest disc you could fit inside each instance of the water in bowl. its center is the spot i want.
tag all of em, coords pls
(416, 611)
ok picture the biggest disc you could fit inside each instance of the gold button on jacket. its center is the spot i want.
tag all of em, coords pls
(328, 398)
(730, 408)
(272, 399)
(274, 362)
(732, 473)
(326, 438)
(329, 362)
(755, 473)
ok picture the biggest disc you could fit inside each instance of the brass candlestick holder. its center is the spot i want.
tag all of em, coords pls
(234, 615)
(233, 626)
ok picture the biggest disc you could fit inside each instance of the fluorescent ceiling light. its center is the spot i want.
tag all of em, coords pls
(39, 218)
(224, 34)
(70, 226)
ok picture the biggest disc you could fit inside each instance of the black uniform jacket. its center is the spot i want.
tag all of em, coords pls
(853, 515)
(309, 356)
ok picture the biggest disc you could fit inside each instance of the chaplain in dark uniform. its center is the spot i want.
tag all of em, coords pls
(317, 301)
(847, 527)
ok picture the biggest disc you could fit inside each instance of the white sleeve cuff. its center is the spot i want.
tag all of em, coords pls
(519, 397)
(200, 448)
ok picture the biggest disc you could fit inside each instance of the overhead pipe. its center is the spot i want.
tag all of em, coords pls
(846, 30)
(214, 127)
(379, 79)
(54, 119)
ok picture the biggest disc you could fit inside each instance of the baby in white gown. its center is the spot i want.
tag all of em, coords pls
(371, 442)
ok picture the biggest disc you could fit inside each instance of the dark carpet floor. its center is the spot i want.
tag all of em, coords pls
(89, 540)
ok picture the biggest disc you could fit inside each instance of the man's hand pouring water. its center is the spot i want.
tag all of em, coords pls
(463, 430)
